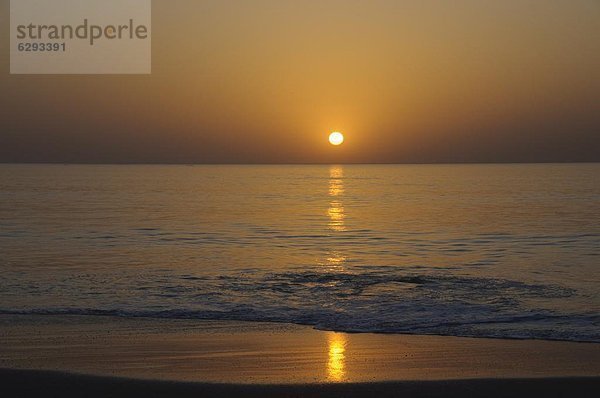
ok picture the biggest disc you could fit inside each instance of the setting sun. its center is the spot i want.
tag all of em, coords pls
(336, 138)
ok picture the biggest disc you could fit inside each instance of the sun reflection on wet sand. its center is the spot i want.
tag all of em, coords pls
(336, 363)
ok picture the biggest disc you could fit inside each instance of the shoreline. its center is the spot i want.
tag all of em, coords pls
(283, 324)
(270, 353)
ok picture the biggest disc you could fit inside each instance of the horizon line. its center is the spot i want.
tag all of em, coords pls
(289, 163)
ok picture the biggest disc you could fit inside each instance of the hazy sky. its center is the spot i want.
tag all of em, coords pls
(267, 80)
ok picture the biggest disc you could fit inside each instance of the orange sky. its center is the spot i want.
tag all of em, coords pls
(265, 81)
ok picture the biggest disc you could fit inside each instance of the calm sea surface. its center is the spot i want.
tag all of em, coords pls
(466, 250)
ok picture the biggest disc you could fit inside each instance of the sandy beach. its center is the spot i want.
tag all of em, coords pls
(53, 384)
(234, 358)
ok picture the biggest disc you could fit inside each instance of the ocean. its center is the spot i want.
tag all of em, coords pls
(506, 251)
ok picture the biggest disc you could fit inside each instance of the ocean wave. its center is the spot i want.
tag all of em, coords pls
(369, 299)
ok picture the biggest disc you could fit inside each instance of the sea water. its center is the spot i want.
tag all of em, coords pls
(509, 251)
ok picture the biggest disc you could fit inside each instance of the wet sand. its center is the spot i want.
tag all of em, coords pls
(252, 356)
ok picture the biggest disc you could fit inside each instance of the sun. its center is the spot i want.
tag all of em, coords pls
(336, 138)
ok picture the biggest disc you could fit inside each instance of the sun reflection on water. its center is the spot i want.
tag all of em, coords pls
(336, 259)
(336, 206)
(336, 216)
(336, 182)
